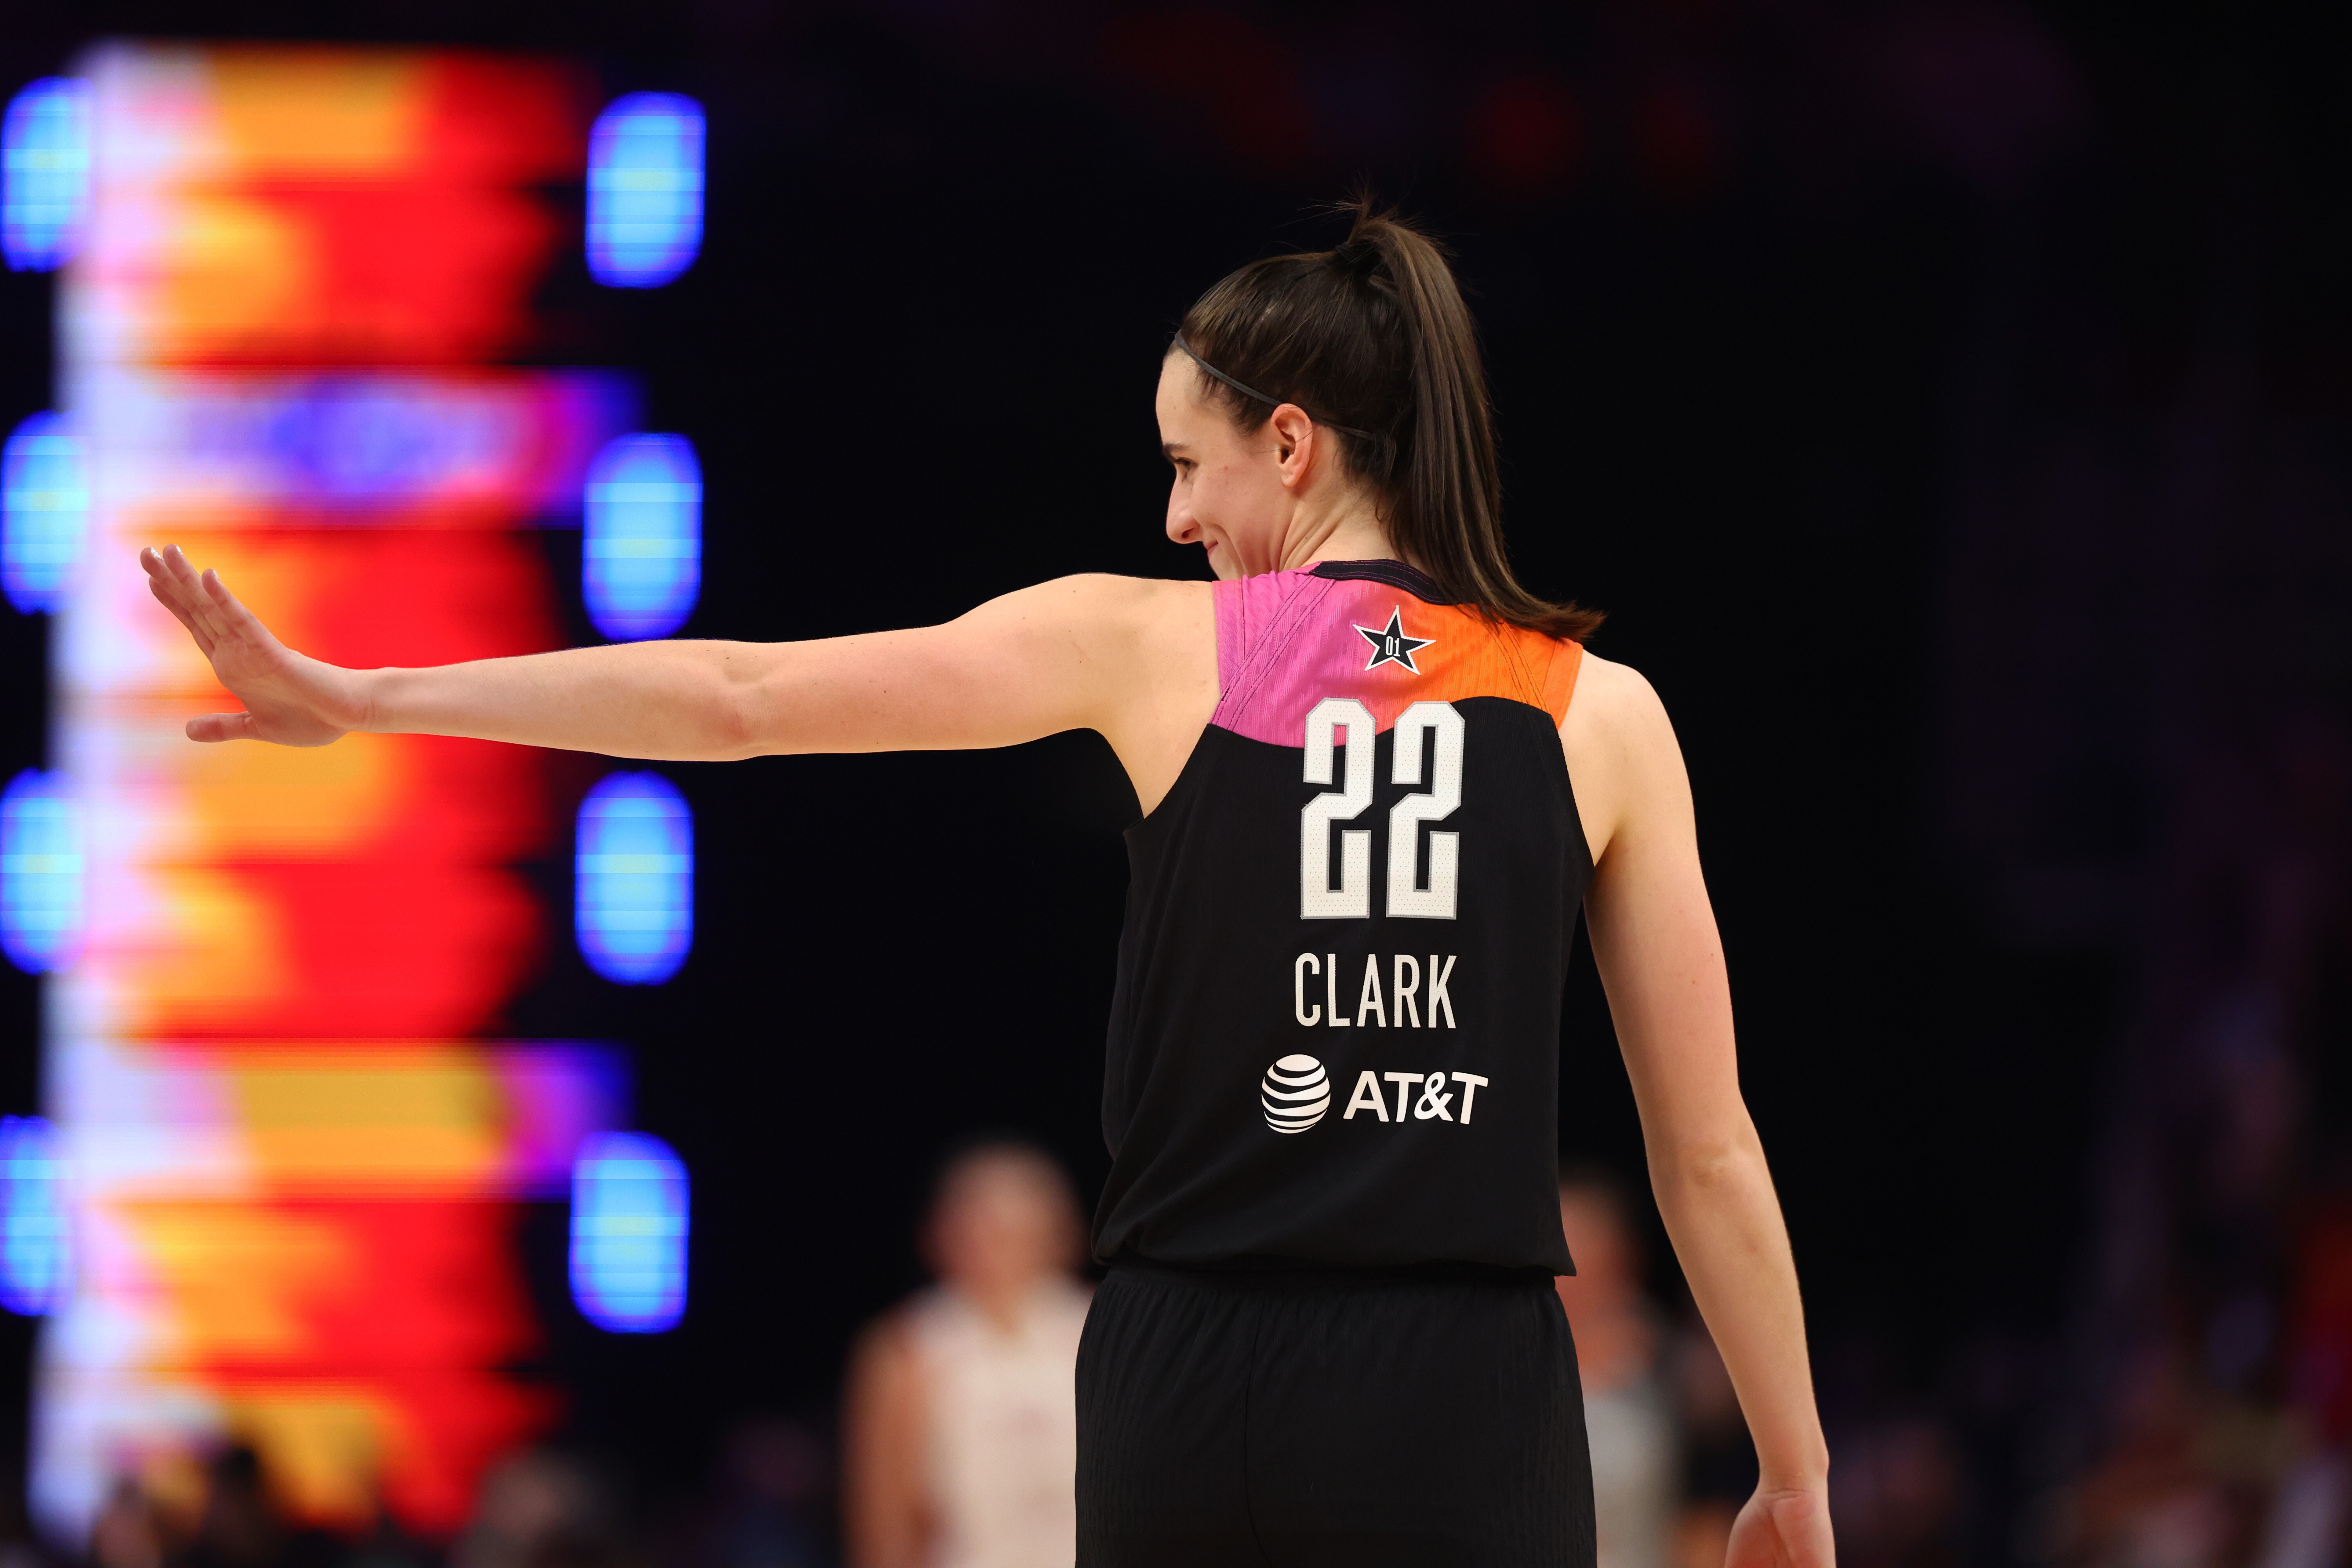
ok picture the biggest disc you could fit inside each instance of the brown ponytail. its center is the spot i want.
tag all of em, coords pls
(1373, 341)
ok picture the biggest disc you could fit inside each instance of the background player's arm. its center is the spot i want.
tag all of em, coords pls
(1661, 960)
(886, 1508)
(1081, 652)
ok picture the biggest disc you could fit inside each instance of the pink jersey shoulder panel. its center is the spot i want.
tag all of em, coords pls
(1255, 618)
(1287, 640)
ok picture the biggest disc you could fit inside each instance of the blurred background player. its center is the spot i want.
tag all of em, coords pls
(959, 1436)
(1627, 1415)
(1717, 1462)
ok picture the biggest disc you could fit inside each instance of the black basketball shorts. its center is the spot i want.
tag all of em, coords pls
(1304, 1419)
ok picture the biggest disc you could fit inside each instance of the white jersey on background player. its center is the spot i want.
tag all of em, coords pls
(961, 1424)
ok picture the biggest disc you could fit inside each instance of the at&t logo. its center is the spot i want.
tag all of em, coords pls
(1296, 1093)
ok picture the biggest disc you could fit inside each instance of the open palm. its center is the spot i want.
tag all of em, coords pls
(1782, 1530)
(289, 698)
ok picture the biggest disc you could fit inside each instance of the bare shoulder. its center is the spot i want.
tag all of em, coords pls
(1623, 761)
(1161, 615)
(1101, 602)
(884, 1349)
(1614, 707)
(1106, 593)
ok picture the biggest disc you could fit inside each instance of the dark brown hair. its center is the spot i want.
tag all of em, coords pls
(1375, 336)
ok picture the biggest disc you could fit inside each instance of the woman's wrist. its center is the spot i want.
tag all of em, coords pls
(367, 693)
(1801, 1478)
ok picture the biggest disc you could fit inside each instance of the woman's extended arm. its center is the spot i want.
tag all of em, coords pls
(1082, 652)
(1661, 960)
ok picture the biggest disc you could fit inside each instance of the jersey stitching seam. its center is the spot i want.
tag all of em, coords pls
(1519, 670)
(1573, 677)
(1278, 637)
(1244, 682)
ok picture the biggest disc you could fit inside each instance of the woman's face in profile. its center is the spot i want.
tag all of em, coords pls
(1227, 495)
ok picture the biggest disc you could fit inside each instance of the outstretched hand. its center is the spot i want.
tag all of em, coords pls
(1784, 1530)
(289, 698)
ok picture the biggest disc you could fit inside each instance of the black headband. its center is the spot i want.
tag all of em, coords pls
(1253, 392)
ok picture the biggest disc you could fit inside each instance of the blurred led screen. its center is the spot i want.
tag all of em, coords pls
(45, 173)
(629, 1223)
(644, 190)
(41, 864)
(34, 1232)
(634, 906)
(641, 558)
(44, 508)
(290, 1156)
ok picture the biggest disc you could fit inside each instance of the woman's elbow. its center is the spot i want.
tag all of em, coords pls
(732, 723)
(1710, 1168)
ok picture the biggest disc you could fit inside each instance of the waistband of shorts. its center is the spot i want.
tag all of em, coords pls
(1292, 1274)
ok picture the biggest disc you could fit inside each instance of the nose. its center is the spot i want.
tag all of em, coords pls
(1182, 527)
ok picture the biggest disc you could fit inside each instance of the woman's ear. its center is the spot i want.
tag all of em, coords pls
(1299, 443)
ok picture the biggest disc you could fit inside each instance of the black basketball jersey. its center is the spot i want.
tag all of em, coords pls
(1334, 1038)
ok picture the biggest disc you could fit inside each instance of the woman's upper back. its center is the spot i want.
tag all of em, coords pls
(1334, 1038)
(1174, 670)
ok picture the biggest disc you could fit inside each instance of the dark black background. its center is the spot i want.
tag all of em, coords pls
(1732, 314)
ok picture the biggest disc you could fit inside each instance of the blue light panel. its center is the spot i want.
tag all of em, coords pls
(44, 173)
(34, 1256)
(40, 872)
(644, 190)
(44, 508)
(629, 1219)
(634, 911)
(641, 570)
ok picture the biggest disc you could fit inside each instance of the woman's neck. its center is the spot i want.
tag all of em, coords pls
(1346, 533)
(1004, 1302)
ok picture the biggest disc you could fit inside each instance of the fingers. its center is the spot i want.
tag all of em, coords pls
(160, 581)
(163, 581)
(164, 597)
(201, 601)
(203, 604)
(171, 591)
(196, 629)
(210, 727)
(242, 619)
(184, 573)
(188, 589)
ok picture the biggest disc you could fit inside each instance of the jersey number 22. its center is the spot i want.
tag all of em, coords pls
(1352, 899)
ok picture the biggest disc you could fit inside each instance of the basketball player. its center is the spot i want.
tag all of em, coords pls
(1377, 777)
(958, 1437)
(1627, 1419)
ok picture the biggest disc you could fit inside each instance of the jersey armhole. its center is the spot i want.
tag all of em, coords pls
(1559, 679)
